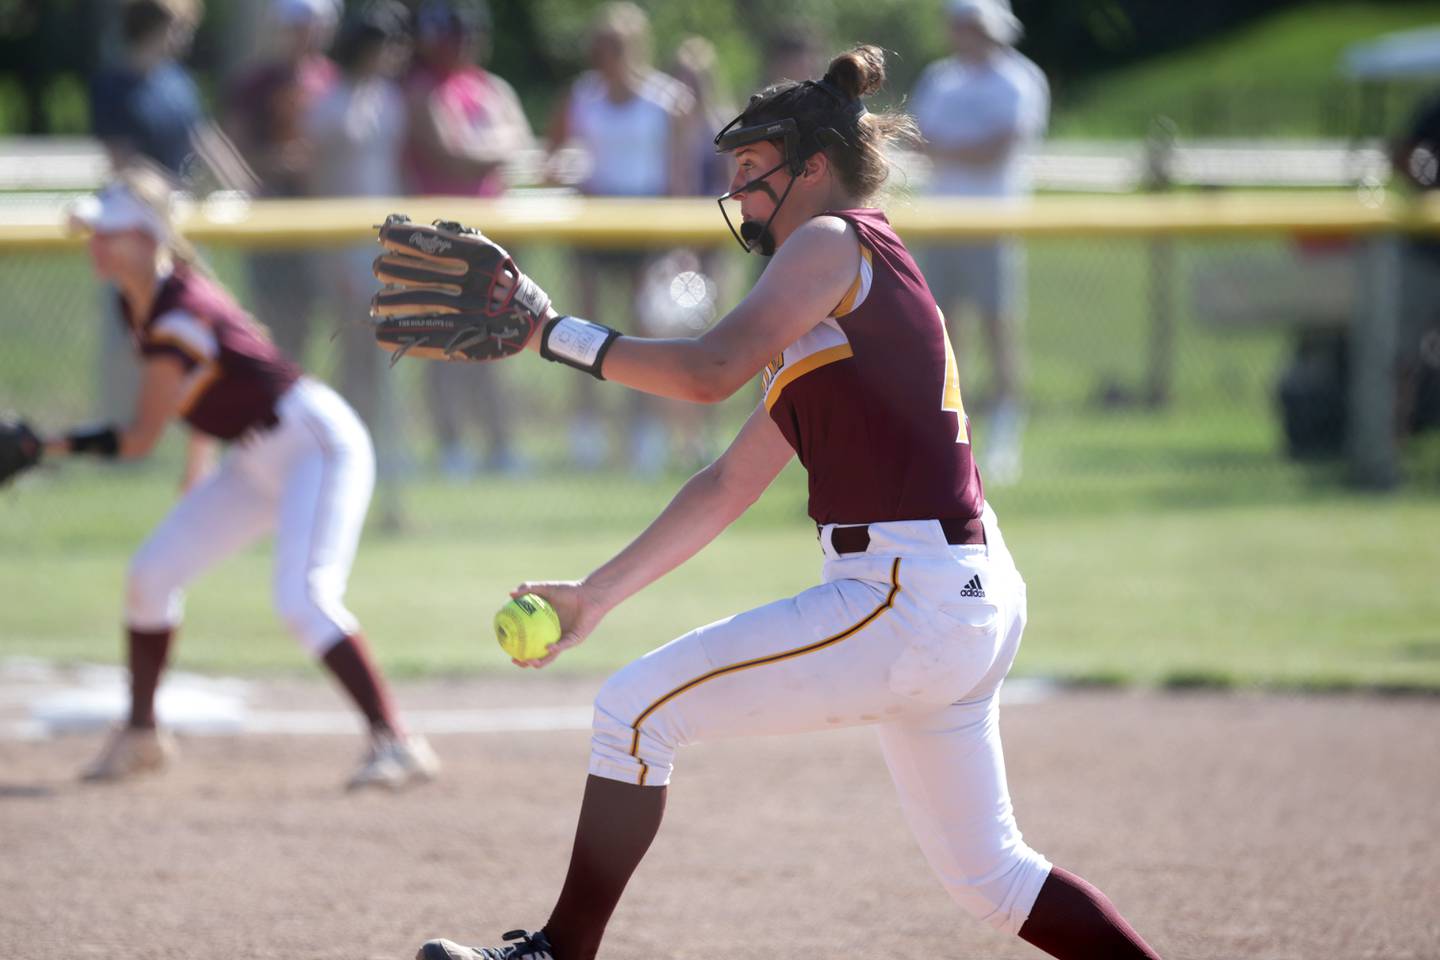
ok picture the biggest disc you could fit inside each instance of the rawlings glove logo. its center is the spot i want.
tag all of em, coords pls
(529, 296)
(429, 243)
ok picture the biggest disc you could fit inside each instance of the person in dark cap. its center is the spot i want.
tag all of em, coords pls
(466, 128)
(357, 132)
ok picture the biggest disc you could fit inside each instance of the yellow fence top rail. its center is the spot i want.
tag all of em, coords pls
(622, 223)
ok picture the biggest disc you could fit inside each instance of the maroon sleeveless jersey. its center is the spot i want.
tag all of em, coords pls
(870, 398)
(234, 373)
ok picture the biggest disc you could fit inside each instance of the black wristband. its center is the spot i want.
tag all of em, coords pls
(577, 343)
(97, 441)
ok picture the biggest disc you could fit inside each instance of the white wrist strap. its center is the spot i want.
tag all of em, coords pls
(577, 343)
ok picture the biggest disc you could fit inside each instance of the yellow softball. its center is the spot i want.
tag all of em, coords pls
(526, 626)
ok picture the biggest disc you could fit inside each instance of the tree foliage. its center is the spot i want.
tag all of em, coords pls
(540, 44)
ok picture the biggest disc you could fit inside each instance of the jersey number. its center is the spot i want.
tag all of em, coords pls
(951, 399)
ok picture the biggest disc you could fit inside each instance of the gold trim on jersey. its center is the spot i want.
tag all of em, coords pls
(200, 381)
(179, 343)
(801, 367)
(860, 289)
(950, 398)
(888, 602)
(825, 343)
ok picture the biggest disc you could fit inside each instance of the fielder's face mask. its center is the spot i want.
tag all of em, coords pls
(796, 147)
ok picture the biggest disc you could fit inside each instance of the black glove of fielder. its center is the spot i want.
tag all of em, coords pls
(20, 448)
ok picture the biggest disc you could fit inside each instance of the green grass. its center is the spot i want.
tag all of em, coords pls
(1279, 76)
(1174, 545)
(1312, 590)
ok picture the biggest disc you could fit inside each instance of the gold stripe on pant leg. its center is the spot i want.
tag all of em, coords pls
(888, 602)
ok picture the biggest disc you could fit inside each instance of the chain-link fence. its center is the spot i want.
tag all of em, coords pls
(1174, 366)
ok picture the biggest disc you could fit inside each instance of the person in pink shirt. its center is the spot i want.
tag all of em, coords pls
(466, 125)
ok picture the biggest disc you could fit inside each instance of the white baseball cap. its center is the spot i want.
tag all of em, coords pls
(993, 16)
(115, 209)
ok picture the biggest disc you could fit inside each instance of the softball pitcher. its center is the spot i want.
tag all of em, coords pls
(300, 465)
(920, 610)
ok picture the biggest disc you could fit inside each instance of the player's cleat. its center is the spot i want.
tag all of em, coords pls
(129, 752)
(395, 762)
(523, 946)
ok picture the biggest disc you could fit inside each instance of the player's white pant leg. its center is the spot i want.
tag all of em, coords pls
(892, 633)
(222, 514)
(949, 772)
(752, 673)
(328, 476)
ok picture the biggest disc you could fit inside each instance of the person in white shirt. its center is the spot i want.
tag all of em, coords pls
(631, 123)
(979, 110)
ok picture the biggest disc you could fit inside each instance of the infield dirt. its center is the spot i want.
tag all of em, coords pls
(1223, 825)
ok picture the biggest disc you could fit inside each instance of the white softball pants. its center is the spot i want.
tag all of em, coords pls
(913, 636)
(309, 480)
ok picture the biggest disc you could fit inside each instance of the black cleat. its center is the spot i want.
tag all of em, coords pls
(523, 946)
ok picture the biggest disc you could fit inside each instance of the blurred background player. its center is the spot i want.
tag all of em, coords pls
(357, 132)
(466, 128)
(300, 465)
(979, 109)
(630, 120)
(264, 114)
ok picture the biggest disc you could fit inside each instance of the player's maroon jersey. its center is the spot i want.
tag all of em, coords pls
(870, 398)
(235, 374)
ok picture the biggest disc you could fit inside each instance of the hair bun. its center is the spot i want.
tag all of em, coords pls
(859, 71)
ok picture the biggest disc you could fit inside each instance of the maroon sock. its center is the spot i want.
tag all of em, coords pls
(350, 661)
(1074, 921)
(149, 649)
(617, 823)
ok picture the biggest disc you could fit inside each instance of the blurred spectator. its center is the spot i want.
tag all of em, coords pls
(685, 289)
(694, 66)
(357, 130)
(146, 104)
(979, 109)
(631, 121)
(1417, 160)
(466, 128)
(264, 114)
